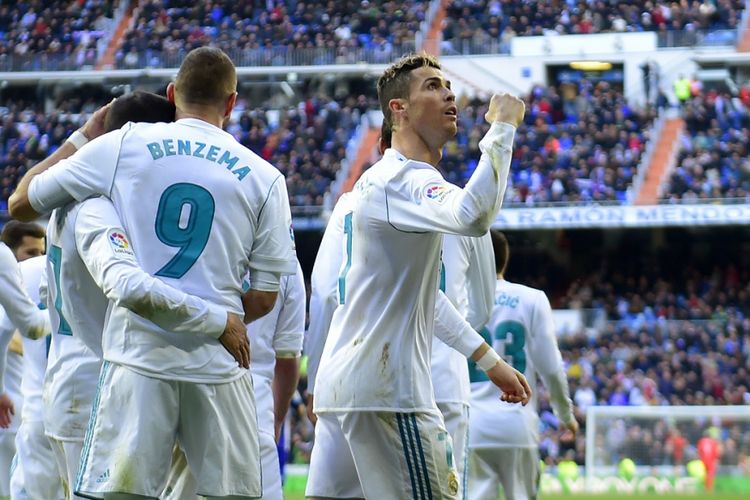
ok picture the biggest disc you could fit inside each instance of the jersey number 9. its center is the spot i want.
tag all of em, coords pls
(189, 233)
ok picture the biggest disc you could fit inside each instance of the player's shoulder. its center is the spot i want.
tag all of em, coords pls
(32, 265)
(521, 290)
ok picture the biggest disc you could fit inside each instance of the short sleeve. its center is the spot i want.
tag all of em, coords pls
(290, 326)
(273, 248)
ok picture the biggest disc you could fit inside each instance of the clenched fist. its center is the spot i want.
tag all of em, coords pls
(505, 108)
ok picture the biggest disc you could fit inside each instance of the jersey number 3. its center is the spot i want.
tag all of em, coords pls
(188, 231)
(511, 335)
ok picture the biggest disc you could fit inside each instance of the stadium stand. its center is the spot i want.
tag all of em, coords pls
(476, 27)
(306, 141)
(272, 33)
(52, 35)
(580, 143)
(713, 159)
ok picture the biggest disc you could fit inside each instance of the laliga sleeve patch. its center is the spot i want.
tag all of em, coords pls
(120, 243)
(437, 192)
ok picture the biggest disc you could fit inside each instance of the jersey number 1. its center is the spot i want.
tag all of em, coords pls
(190, 235)
(342, 276)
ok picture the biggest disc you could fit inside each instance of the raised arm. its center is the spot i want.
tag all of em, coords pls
(20, 206)
(422, 200)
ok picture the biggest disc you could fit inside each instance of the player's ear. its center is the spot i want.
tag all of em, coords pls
(170, 92)
(397, 107)
(231, 101)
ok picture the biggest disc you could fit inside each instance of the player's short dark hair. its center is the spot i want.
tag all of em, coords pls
(138, 106)
(395, 80)
(206, 77)
(14, 232)
(502, 250)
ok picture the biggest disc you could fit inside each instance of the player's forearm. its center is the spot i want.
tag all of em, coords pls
(19, 206)
(130, 287)
(257, 303)
(483, 194)
(453, 329)
(285, 379)
(26, 316)
(557, 385)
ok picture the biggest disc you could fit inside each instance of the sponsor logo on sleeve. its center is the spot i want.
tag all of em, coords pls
(437, 192)
(119, 243)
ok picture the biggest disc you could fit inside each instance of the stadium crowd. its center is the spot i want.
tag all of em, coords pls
(52, 35)
(482, 25)
(306, 141)
(713, 160)
(272, 33)
(581, 142)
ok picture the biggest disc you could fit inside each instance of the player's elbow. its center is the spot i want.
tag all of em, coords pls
(19, 208)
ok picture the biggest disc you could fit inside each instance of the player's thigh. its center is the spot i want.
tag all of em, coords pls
(401, 455)
(483, 478)
(37, 473)
(7, 452)
(518, 469)
(181, 483)
(131, 434)
(218, 432)
(332, 473)
(68, 458)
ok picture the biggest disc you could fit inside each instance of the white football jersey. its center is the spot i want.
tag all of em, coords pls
(34, 351)
(469, 283)
(280, 332)
(521, 330)
(89, 254)
(201, 211)
(324, 297)
(377, 354)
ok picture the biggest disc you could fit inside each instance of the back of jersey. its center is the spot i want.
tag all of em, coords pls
(201, 211)
(513, 330)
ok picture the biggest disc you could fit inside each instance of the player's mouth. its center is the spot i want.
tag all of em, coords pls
(452, 113)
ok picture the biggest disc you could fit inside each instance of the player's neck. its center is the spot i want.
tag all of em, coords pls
(206, 115)
(410, 144)
(500, 276)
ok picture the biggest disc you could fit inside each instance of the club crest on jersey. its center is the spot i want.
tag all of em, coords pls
(119, 243)
(437, 192)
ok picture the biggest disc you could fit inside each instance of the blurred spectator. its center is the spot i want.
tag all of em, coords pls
(272, 33)
(52, 35)
(486, 26)
(713, 160)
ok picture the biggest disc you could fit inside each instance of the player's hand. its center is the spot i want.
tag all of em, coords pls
(234, 339)
(94, 126)
(7, 410)
(571, 429)
(514, 385)
(310, 410)
(505, 108)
